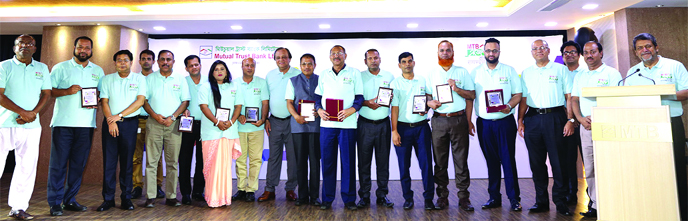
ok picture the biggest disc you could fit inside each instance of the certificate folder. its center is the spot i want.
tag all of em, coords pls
(333, 106)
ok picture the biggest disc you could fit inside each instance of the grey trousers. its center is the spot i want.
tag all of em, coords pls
(280, 136)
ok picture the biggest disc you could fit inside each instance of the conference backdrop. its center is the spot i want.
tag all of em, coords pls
(468, 53)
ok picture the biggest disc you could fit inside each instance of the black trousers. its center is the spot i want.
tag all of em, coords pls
(572, 149)
(373, 138)
(119, 149)
(679, 135)
(71, 145)
(307, 148)
(185, 158)
(544, 137)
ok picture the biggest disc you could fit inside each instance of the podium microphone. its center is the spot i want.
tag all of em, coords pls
(636, 71)
(653, 81)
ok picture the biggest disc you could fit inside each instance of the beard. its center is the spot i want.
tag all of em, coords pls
(445, 62)
(82, 59)
(496, 59)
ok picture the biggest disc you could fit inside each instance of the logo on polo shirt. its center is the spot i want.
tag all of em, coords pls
(256, 91)
(666, 77)
(348, 80)
(385, 83)
(458, 83)
(503, 80)
(39, 75)
(232, 92)
(422, 89)
(95, 77)
(553, 79)
(176, 87)
(602, 82)
(133, 87)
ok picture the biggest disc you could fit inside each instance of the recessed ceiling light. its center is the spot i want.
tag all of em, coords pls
(206, 32)
(97, 23)
(324, 26)
(481, 24)
(59, 24)
(284, 31)
(140, 29)
(159, 28)
(550, 24)
(236, 27)
(590, 6)
(412, 25)
(659, 6)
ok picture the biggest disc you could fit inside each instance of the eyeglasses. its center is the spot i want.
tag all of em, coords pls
(123, 60)
(540, 48)
(493, 51)
(29, 44)
(647, 46)
(591, 52)
(337, 54)
(572, 52)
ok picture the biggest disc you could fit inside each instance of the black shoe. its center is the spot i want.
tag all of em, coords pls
(198, 197)
(591, 213)
(239, 195)
(150, 203)
(106, 206)
(74, 206)
(363, 203)
(564, 211)
(250, 197)
(136, 193)
(326, 205)
(186, 199)
(384, 201)
(161, 194)
(492, 204)
(408, 205)
(56, 210)
(516, 206)
(351, 206)
(429, 205)
(316, 202)
(172, 202)
(127, 205)
(300, 202)
(538, 208)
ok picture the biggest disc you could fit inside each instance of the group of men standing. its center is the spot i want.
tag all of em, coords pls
(548, 95)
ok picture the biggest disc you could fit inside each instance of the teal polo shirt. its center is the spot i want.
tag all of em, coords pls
(23, 85)
(546, 86)
(277, 84)
(344, 86)
(122, 92)
(230, 95)
(462, 78)
(572, 74)
(404, 90)
(666, 71)
(371, 85)
(142, 112)
(194, 109)
(603, 76)
(165, 94)
(502, 77)
(254, 94)
(68, 111)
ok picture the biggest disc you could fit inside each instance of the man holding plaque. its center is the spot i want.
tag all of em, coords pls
(24, 91)
(546, 88)
(278, 129)
(570, 51)
(373, 135)
(410, 130)
(167, 98)
(498, 91)
(73, 124)
(122, 95)
(305, 129)
(597, 75)
(251, 130)
(338, 96)
(452, 93)
(193, 138)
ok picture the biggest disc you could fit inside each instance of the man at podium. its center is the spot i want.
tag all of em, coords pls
(597, 75)
(652, 70)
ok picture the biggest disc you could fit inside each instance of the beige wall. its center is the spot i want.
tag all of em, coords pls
(58, 46)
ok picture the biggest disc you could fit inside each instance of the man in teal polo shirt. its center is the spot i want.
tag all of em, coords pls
(24, 91)
(373, 135)
(167, 98)
(193, 139)
(73, 126)
(278, 128)
(571, 51)
(450, 125)
(251, 135)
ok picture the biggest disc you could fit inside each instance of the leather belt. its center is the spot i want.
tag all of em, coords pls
(386, 119)
(286, 118)
(532, 110)
(458, 113)
(143, 117)
(420, 123)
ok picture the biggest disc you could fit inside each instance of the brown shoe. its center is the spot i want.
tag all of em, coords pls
(20, 215)
(442, 203)
(267, 195)
(465, 204)
(172, 202)
(150, 203)
(291, 195)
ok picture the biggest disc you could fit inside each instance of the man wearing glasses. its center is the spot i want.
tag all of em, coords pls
(570, 51)
(546, 89)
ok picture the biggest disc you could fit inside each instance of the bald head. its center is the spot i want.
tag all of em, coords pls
(24, 47)
(248, 67)
(540, 50)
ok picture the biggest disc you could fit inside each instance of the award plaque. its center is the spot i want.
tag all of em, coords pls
(444, 94)
(419, 104)
(222, 114)
(89, 97)
(252, 114)
(186, 124)
(384, 96)
(494, 100)
(306, 109)
(333, 106)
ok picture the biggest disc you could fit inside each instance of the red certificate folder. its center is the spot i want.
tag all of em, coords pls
(333, 106)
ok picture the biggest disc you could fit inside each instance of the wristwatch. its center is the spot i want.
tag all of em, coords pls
(120, 115)
(572, 120)
(509, 105)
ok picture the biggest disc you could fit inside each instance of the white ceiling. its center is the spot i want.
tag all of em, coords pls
(519, 15)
